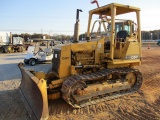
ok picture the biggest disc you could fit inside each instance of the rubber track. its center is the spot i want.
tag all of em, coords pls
(72, 80)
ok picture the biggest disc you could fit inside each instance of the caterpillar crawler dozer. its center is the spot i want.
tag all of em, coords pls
(96, 70)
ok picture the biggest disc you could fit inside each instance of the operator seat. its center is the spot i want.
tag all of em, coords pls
(121, 35)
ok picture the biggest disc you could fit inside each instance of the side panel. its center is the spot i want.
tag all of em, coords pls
(131, 50)
(124, 50)
(65, 61)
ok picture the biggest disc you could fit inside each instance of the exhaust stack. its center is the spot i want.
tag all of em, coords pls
(76, 27)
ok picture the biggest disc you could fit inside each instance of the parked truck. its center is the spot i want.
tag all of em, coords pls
(9, 44)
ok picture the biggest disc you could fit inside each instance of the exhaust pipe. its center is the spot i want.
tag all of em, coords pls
(76, 27)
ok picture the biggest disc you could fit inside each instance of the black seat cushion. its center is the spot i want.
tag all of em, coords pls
(122, 34)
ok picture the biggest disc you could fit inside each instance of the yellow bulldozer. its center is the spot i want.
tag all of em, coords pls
(92, 71)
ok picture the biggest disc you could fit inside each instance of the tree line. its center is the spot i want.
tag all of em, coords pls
(27, 36)
(150, 35)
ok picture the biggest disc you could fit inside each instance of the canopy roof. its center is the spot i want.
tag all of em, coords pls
(121, 9)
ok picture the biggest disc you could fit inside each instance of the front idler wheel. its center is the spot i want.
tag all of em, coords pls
(77, 89)
(131, 79)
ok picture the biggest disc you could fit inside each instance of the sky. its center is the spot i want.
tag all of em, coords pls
(59, 16)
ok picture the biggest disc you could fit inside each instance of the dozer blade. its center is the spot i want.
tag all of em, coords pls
(34, 94)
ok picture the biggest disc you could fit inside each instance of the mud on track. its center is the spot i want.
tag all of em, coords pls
(143, 105)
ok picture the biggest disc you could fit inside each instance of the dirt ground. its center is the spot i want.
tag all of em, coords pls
(143, 105)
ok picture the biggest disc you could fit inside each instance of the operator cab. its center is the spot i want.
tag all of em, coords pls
(122, 37)
(123, 28)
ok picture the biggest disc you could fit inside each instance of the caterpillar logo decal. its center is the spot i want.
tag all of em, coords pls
(65, 58)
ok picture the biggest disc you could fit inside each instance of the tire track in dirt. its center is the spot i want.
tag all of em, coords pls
(125, 108)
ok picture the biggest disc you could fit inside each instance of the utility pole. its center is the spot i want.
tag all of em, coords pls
(151, 36)
(42, 33)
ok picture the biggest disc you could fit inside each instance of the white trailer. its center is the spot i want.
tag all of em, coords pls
(4, 38)
(18, 40)
(7, 44)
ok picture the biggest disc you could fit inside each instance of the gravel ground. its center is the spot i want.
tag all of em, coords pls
(9, 69)
(11, 105)
(143, 105)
